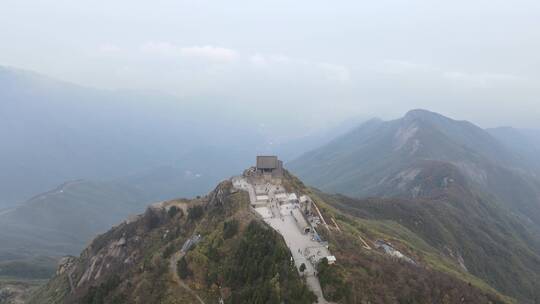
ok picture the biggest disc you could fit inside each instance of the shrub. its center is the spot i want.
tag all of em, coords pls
(332, 282)
(173, 211)
(230, 228)
(151, 220)
(183, 269)
(169, 250)
(260, 270)
(96, 295)
(195, 212)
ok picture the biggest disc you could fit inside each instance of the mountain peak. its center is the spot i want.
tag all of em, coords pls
(423, 114)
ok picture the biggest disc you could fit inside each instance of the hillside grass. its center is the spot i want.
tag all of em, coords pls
(405, 240)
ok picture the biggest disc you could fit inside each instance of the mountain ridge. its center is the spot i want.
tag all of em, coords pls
(360, 162)
(147, 242)
(422, 158)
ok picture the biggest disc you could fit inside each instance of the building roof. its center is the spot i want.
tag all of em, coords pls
(267, 162)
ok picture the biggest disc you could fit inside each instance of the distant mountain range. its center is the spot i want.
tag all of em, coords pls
(53, 132)
(471, 193)
(61, 221)
(384, 158)
(525, 143)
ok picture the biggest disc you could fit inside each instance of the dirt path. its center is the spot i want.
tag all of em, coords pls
(172, 268)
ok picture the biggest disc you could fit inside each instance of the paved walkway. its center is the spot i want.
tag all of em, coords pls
(278, 216)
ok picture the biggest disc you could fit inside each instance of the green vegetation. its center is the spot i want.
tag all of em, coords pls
(173, 211)
(97, 295)
(183, 270)
(195, 212)
(369, 276)
(230, 228)
(336, 289)
(238, 259)
(242, 260)
(261, 270)
(169, 250)
(455, 187)
(347, 247)
(459, 225)
(372, 277)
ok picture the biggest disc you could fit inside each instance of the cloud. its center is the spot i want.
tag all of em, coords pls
(259, 60)
(160, 48)
(208, 52)
(392, 66)
(335, 72)
(425, 73)
(482, 80)
(330, 71)
(109, 49)
(277, 62)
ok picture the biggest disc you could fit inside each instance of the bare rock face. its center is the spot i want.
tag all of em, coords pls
(405, 138)
(456, 256)
(121, 242)
(219, 195)
(114, 252)
(5, 295)
(65, 264)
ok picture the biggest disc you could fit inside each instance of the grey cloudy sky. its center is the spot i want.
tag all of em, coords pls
(321, 60)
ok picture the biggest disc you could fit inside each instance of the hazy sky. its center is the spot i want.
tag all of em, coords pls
(315, 61)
